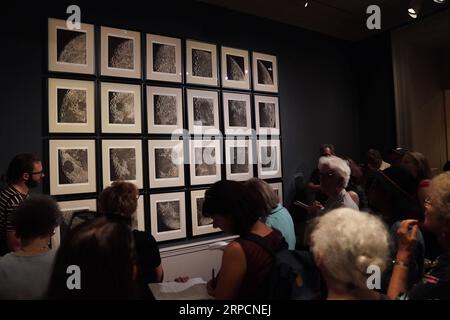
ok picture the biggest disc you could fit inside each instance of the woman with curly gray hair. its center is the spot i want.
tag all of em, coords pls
(348, 246)
(435, 284)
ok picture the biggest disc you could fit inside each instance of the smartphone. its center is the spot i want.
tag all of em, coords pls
(302, 204)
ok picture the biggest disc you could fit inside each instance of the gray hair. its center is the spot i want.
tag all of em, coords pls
(348, 242)
(338, 165)
(440, 194)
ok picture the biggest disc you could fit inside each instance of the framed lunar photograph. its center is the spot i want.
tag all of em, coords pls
(72, 166)
(203, 111)
(265, 72)
(235, 69)
(163, 58)
(239, 159)
(205, 161)
(70, 50)
(138, 219)
(237, 114)
(165, 110)
(68, 208)
(166, 159)
(200, 224)
(278, 187)
(120, 53)
(122, 160)
(168, 216)
(269, 159)
(267, 115)
(71, 106)
(121, 108)
(201, 63)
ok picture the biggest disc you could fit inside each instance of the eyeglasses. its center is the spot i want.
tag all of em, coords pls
(327, 174)
(41, 173)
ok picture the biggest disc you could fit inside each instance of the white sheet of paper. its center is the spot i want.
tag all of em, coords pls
(179, 286)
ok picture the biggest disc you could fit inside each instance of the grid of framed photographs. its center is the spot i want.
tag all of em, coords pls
(68, 208)
(172, 119)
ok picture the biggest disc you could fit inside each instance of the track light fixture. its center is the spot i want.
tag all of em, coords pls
(412, 13)
(414, 8)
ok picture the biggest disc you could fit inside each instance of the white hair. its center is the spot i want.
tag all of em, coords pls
(348, 242)
(338, 165)
(440, 194)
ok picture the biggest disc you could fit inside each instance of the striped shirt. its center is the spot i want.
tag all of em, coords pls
(10, 198)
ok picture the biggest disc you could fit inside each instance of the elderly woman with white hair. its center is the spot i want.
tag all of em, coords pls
(347, 246)
(334, 177)
(435, 284)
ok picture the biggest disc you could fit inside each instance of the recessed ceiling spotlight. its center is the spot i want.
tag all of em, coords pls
(439, 1)
(412, 13)
(306, 4)
(414, 8)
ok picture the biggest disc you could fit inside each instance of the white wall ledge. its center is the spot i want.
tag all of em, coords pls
(187, 248)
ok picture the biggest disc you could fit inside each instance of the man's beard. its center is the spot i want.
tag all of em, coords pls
(30, 183)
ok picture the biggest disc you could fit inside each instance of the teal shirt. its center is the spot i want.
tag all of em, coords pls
(281, 219)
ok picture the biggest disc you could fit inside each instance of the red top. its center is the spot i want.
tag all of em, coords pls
(424, 184)
(259, 262)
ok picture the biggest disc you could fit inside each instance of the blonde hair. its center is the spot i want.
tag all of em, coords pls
(266, 191)
(440, 194)
(348, 242)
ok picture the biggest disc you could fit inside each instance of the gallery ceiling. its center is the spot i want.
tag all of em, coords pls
(344, 19)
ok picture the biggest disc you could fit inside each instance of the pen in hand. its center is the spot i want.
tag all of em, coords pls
(213, 279)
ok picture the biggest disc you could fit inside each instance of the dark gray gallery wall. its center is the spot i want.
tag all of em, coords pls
(317, 77)
(20, 85)
(445, 72)
(376, 98)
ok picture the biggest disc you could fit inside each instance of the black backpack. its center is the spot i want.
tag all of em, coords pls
(293, 276)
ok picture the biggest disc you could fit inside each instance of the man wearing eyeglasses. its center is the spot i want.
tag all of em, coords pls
(326, 150)
(24, 172)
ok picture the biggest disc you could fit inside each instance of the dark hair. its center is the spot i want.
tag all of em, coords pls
(374, 153)
(403, 179)
(399, 187)
(120, 198)
(103, 249)
(446, 166)
(231, 199)
(20, 164)
(36, 217)
(421, 164)
(399, 150)
(267, 193)
(325, 146)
